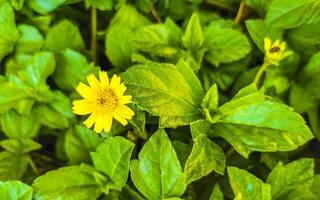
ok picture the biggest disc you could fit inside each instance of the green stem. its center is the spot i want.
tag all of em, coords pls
(229, 152)
(33, 166)
(93, 45)
(240, 13)
(220, 5)
(155, 14)
(313, 117)
(259, 74)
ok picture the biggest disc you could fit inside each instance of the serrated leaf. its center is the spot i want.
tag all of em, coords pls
(79, 141)
(205, 157)
(225, 45)
(30, 41)
(165, 90)
(158, 174)
(15, 190)
(71, 38)
(20, 146)
(246, 186)
(193, 37)
(18, 126)
(291, 181)
(210, 100)
(13, 166)
(72, 183)
(289, 14)
(112, 158)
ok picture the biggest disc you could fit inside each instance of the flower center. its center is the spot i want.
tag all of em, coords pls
(274, 50)
(107, 101)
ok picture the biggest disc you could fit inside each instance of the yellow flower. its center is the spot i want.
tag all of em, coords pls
(103, 101)
(275, 52)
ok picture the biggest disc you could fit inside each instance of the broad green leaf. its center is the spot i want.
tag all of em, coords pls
(79, 141)
(205, 157)
(72, 183)
(15, 190)
(257, 123)
(289, 14)
(225, 45)
(292, 181)
(158, 173)
(246, 186)
(44, 6)
(258, 30)
(9, 33)
(30, 41)
(17, 4)
(40, 66)
(157, 39)
(72, 67)
(20, 146)
(58, 113)
(216, 193)
(165, 90)
(13, 166)
(19, 126)
(112, 158)
(316, 185)
(71, 37)
(193, 37)
(259, 6)
(119, 38)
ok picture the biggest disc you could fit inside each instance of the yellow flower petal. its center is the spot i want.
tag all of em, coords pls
(93, 82)
(83, 107)
(107, 122)
(91, 120)
(126, 111)
(85, 91)
(104, 80)
(98, 126)
(119, 90)
(115, 82)
(125, 99)
(119, 117)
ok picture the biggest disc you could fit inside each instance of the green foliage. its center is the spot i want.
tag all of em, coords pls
(202, 127)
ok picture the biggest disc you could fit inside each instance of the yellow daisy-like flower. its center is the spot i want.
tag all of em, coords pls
(103, 101)
(275, 52)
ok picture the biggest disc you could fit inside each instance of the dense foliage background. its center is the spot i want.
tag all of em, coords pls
(201, 130)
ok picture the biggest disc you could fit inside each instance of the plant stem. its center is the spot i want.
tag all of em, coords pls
(229, 152)
(220, 5)
(314, 121)
(93, 45)
(33, 166)
(155, 14)
(240, 13)
(260, 73)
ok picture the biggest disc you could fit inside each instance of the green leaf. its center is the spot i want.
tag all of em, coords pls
(157, 39)
(18, 126)
(205, 157)
(72, 67)
(13, 166)
(258, 30)
(246, 186)
(72, 183)
(119, 38)
(17, 4)
(30, 41)
(225, 45)
(40, 66)
(79, 141)
(210, 100)
(44, 6)
(193, 37)
(316, 185)
(292, 181)
(71, 37)
(112, 158)
(20, 146)
(257, 123)
(259, 6)
(167, 91)
(15, 190)
(216, 193)
(58, 114)
(9, 33)
(153, 173)
(289, 14)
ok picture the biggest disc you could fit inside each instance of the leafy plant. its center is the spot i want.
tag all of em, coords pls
(203, 99)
